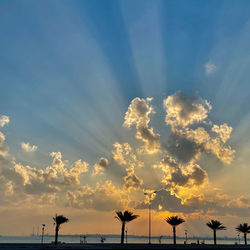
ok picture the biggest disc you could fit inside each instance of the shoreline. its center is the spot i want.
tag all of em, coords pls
(116, 246)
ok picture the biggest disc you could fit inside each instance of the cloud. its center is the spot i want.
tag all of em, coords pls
(187, 145)
(219, 206)
(106, 197)
(57, 160)
(121, 152)
(2, 138)
(182, 110)
(209, 68)
(181, 180)
(138, 114)
(177, 168)
(183, 149)
(224, 131)
(100, 166)
(4, 120)
(191, 136)
(131, 180)
(71, 176)
(19, 182)
(4, 151)
(27, 147)
(124, 155)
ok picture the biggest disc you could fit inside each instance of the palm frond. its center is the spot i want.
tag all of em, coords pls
(243, 228)
(174, 220)
(125, 216)
(216, 225)
(60, 219)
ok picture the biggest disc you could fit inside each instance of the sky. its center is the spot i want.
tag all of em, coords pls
(102, 101)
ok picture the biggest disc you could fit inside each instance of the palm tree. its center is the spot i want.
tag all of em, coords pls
(58, 220)
(174, 221)
(215, 225)
(245, 229)
(124, 217)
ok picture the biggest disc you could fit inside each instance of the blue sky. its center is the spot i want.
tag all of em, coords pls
(60, 58)
(70, 69)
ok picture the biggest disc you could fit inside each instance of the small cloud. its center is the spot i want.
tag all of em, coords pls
(209, 68)
(28, 148)
(183, 110)
(4, 119)
(100, 166)
(138, 114)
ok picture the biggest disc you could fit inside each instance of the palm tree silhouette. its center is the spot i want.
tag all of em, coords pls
(174, 221)
(215, 225)
(245, 229)
(58, 220)
(124, 217)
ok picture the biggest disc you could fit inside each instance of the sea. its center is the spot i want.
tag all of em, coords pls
(113, 239)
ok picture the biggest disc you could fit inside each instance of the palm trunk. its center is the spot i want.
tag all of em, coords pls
(56, 234)
(174, 234)
(214, 237)
(122, 233)
(245, 238)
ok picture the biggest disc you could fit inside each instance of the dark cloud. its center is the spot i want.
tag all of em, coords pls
(183, 149)
(103, 162)
(215, 207)
(132, 181)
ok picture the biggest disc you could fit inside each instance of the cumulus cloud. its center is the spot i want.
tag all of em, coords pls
(187, 145)
(124, 155)
(182, 110)
(183, 149)
(57, 160)
(224, 131)
(131, 180)
(138, 114)
(19, 182)
(209, 68)
(4, 120)
(100, 166)
(181, 180)
(191, 136)
(71, 176)
(176, 166)
(27, 147)
(120, 152)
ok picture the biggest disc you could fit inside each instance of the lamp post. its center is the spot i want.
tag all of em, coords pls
(149, 215)
(186, 233)
(43, 226)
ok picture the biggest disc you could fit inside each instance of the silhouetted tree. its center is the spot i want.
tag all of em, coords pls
(124, 217)
(58, 220)
(245, 229)
(174, 221)
(215, 225)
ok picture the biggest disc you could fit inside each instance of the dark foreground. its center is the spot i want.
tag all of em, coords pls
(29, 246)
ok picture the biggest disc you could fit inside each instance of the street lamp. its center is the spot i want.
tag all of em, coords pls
(186, 233)
(149, 215)
(43, 226)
